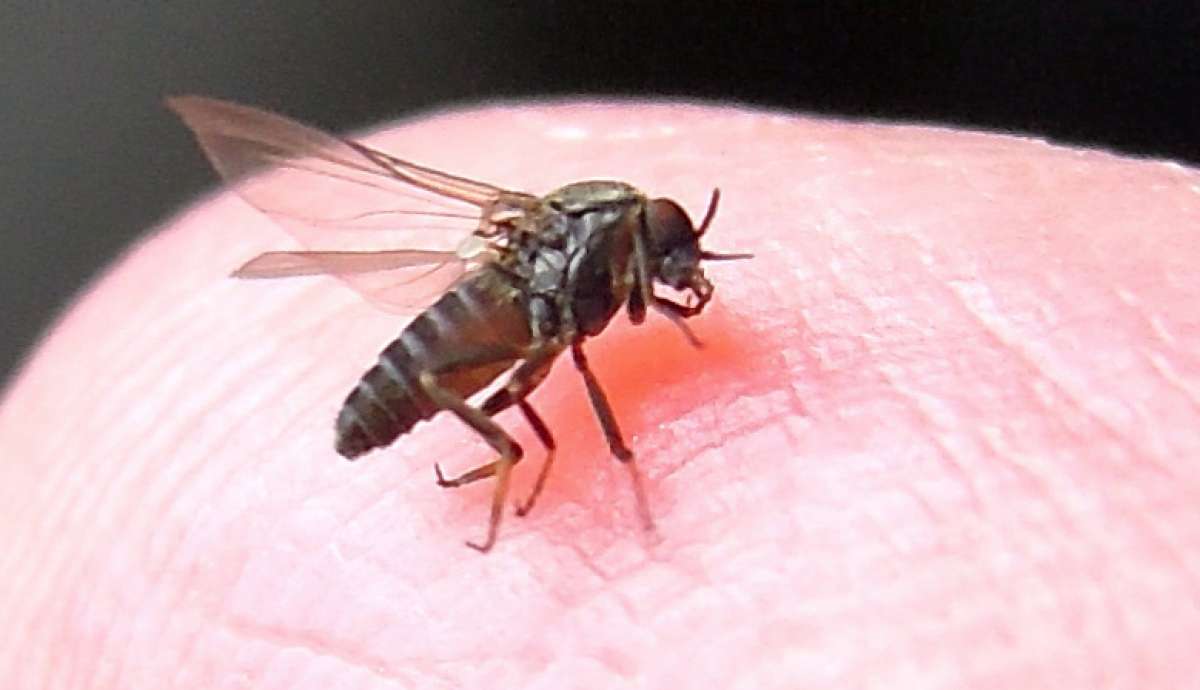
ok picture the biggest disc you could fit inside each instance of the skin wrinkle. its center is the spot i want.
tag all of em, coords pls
(1163, 367)
(1039, 372)
(98, 500)
(715, 445)
(190, 482)
(954, 465)
(943, 449)
(1011, 458)
(609, 585)
(389, 671)
(1157, 360)
(175, 492)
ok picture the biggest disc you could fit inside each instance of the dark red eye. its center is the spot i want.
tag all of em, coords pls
(669, 225)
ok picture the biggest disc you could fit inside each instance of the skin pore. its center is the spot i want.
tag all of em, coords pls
(942, 434)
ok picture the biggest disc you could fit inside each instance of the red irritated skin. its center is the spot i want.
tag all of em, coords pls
(944, 434)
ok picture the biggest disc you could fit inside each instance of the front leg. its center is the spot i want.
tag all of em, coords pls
(612, 433)
(675, 312)
(683, 310)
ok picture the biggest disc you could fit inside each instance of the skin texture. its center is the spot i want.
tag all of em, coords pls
(942, 435)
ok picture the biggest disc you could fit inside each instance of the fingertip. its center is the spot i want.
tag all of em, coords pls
(888, 351)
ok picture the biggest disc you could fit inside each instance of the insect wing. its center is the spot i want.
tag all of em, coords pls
(292, 264)
(347, 200)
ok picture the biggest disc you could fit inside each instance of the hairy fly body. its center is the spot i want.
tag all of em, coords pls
(534, 277)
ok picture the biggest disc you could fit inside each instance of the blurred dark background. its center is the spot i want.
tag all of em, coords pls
(90, 159)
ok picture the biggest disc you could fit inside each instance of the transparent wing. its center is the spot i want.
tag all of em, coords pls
(292, 264)
(387, 227)
(397, 280)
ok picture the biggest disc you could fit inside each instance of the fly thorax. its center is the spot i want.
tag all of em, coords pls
(549, 267)
(543, 318)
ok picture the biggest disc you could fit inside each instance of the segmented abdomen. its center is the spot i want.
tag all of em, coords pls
(480, 313)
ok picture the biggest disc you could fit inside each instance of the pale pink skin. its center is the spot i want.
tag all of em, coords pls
(944, 434)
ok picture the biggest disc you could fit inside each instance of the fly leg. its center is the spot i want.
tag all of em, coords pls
(683, 310)
(476, 357)
(612, 433)
(674, 312)
(543, 434)
(524, 379)
(510, 452)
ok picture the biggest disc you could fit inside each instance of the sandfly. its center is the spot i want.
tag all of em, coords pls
(526, 279)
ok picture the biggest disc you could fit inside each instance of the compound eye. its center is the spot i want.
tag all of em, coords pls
(669, 224)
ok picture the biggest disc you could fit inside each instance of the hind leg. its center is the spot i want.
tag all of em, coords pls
(510, 452)
(523, 380)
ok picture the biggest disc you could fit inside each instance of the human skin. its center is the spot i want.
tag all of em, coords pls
(942, 435)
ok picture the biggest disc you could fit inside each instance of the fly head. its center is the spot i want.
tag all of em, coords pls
(674, 249)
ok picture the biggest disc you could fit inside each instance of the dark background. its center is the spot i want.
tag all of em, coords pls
(90, 159)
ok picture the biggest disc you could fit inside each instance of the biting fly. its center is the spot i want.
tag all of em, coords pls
(533, 277)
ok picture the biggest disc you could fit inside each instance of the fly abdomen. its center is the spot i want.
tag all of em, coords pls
(386, 403)
(389, 400)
